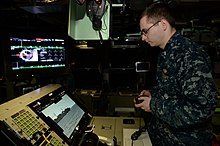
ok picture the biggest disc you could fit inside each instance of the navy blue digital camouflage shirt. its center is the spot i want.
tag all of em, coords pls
(185, 96)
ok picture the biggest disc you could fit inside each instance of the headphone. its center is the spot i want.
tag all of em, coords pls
(80, 2)
(95, 9)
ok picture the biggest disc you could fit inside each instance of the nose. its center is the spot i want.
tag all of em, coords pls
(143, 38)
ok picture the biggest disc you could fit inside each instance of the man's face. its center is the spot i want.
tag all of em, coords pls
(150, 32)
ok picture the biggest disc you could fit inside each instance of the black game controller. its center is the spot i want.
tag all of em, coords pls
(138, 101)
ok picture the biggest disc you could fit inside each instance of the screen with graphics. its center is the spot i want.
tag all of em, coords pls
(36, 53)
(63, 114)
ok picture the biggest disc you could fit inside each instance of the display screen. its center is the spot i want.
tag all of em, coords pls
(64, 115)
(36, 53)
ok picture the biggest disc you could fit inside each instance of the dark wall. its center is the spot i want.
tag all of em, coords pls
(53, 18)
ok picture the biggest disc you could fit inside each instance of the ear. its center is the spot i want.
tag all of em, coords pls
(164, 24)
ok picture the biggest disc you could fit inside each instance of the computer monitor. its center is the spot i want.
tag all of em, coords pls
(33, 53)
(67, 117)
(30, 54)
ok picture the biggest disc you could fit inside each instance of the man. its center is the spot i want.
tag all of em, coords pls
(185, 96)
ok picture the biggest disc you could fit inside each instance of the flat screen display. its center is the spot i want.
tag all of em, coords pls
(64, 115)
(36, 53)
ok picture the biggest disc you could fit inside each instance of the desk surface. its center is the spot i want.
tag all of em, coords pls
(109, 127)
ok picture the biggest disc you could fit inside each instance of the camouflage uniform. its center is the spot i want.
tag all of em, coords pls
(185, 96)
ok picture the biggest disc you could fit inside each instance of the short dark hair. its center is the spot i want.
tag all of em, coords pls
(158, 11)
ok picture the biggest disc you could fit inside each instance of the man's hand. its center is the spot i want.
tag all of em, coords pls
(145, 97)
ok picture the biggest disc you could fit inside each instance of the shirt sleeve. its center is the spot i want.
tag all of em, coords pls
(196, 97)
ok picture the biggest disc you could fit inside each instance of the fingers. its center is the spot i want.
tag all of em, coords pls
(144, 104)
(140, 105)
(145, 92)
(145, 108)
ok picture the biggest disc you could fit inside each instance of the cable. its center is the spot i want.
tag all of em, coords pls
(137, 133)
(132, 143)
(139, 121)
(100, 36)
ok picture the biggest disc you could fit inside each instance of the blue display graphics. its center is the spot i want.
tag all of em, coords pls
(36, 53)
